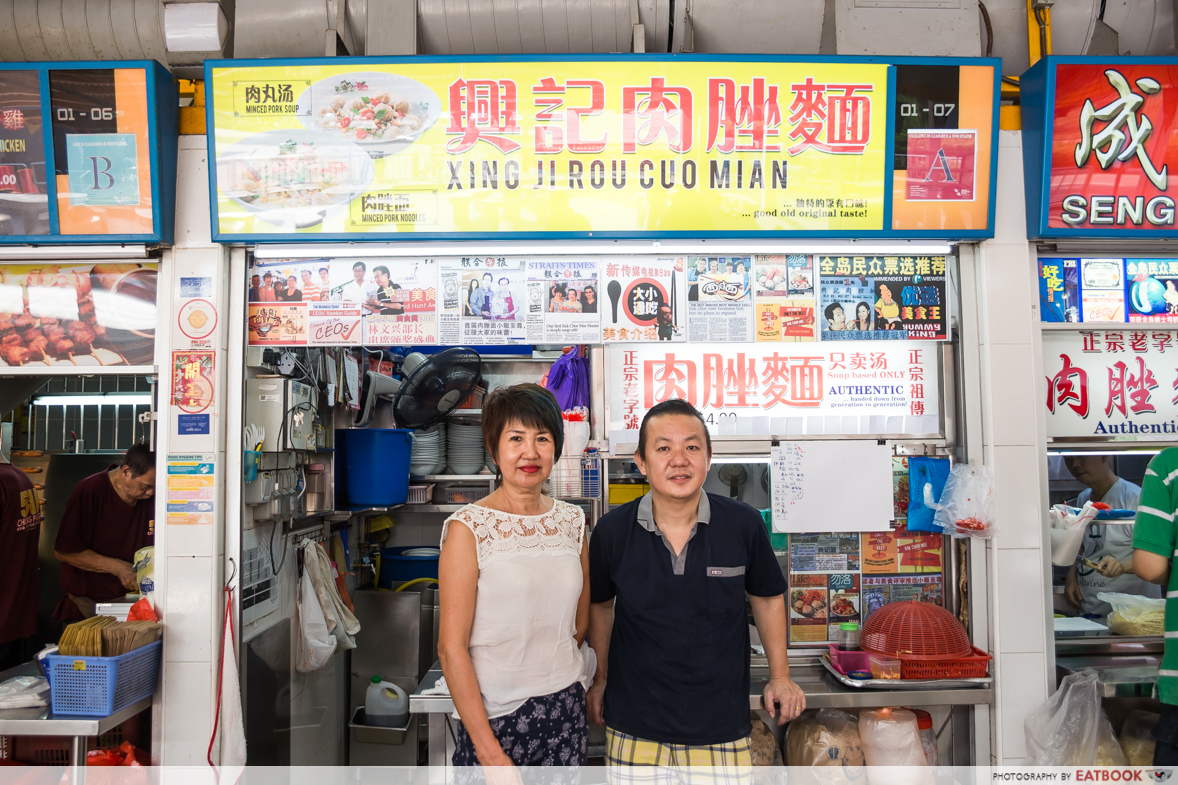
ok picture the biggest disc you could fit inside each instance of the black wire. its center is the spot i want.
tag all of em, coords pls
(989, 28)
(1100, 16)
(270, 549)
(1010, 80)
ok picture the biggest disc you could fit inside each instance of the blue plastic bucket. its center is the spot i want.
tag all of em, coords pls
(378, 466)
(396, 567)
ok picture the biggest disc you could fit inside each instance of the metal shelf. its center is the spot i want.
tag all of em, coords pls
(432, 507)
(465, 413)
(446, 477)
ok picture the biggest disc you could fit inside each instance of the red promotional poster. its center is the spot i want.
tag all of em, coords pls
(942, 164)
(1112, 149)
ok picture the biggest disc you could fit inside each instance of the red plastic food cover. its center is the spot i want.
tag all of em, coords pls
(915, 631)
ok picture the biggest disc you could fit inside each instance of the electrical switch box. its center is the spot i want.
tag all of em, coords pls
(284, 410)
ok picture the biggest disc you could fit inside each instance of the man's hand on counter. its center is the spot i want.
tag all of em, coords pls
(93, 562)
(783, 699)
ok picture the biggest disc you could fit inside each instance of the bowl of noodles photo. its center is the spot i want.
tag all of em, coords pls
(292, 178)
(383, 113)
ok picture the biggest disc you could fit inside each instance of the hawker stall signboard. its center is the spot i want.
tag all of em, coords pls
(762, 390)
(615, 146)
(1112, 384)
(87, 153)
(1097, 146)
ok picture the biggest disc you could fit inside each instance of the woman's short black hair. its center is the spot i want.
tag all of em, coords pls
(829, 312)
(671, 406)
(528, 404)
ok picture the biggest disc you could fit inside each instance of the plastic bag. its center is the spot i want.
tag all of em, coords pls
(1067, 531)
(1136, 740)
(24, 692)
(1135, 615)
(966, 508)
(821, 739)
(926, 484)
(142, 611)
(1071, 729)
(123, 755)
(315, 644)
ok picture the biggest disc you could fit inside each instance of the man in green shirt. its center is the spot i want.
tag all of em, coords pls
(1155, 543)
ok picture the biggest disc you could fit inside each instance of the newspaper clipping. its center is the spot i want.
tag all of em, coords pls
(783, 286)
(484, 300)
(563, 300)
(719, 296)
(646, 299)
(875, 298)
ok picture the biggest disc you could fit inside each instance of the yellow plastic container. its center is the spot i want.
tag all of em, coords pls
(620, 494)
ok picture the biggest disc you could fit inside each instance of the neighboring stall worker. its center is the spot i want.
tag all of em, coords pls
(108, 517)
(1108, 545)
(1155, 539)
(668, 578)
(20, 529)
(385, 296)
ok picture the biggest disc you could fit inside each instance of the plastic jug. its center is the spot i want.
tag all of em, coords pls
(386, 704)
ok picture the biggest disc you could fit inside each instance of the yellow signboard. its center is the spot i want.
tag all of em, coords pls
(377, 148)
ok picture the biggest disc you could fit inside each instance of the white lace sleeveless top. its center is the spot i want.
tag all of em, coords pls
(521, 639)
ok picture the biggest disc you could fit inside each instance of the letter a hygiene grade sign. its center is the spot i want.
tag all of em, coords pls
(1096, 150)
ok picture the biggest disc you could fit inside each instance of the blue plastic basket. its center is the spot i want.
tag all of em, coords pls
(100, 686)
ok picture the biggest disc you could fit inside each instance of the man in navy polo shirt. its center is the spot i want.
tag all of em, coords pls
(668, 578)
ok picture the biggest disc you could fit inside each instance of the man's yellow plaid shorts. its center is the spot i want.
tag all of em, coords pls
(730, 762)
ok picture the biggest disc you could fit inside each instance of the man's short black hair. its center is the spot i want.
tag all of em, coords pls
(267, 275)
(381, 269)
(361, 265)
(323, 270)
(672, 406)
(139, 459)
(829, 312)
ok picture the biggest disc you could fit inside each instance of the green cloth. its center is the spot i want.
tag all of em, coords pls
(1155, 532)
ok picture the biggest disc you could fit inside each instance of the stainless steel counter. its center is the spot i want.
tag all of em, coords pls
(42, 722)
(1106, 645)
(822, 692)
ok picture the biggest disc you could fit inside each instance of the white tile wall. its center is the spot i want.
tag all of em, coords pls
(1013, 449)
(1022, 686)
(188, 712)
(189, 609)
(1020, 582)
(1013, 400)
(1017, 495)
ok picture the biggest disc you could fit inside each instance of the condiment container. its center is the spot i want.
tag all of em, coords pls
(884, 667)
(849, 636)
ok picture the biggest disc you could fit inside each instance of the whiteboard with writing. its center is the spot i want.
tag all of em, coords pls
(831, 486)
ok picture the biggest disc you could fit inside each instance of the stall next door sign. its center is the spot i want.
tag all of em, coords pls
(1120, 383)
(1106, 165)
(758, 389)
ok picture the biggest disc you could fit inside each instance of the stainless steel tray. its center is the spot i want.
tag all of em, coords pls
(904, 684)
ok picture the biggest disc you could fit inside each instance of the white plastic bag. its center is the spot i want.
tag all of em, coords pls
(316, 644)
(1071, 728)
(966, 508)
(24, 692)
(1135, 615)
(1067, 532)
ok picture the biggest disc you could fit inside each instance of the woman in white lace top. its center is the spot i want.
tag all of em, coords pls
(514, 593)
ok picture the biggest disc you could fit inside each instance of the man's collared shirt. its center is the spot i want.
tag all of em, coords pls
(646, 520)
(678, 669)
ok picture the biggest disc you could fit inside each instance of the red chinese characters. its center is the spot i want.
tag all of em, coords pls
(656, 111)
(554, 132)
(12, 119)
(630, 390)
(1123, 384)
(742, 118)
(838, 112)
(1070, 387)
(793, 381)
(483, 110)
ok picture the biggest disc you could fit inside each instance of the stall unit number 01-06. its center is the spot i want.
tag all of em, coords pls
(66, 114)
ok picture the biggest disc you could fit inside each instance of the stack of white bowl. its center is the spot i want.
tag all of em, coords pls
(464, 450)
(429, 450)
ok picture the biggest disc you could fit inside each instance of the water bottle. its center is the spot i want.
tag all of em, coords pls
(386, 704)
